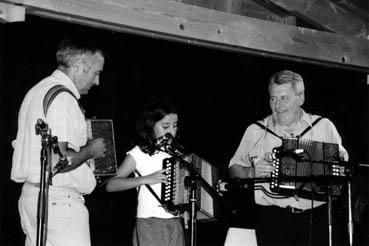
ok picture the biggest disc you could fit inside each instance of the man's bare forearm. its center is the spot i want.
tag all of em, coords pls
(237, 171)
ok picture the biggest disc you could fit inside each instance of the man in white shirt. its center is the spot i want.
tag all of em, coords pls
(79, 66)
(284, 220)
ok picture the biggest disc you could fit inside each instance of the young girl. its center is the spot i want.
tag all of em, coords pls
(154, 226)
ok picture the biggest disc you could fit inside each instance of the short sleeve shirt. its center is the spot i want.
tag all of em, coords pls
(148, 206)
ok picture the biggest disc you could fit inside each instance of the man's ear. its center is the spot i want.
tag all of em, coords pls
(79, 66)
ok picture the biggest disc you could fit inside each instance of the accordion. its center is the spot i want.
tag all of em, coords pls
(98, 128)
(307, 168)
(175, 194)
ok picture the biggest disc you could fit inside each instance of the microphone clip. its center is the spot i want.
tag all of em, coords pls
(169, 144)
(60, 166)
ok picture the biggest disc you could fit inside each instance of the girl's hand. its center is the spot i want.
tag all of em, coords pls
(156, 177)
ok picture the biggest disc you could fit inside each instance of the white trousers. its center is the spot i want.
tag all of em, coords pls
(68, 218)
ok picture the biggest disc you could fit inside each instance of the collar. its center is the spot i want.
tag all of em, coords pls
(67, 82)
(306, 119)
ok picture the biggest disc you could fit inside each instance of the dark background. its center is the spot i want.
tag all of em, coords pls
(218, 93)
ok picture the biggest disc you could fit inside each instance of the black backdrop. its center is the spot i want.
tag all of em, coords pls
(218, 93)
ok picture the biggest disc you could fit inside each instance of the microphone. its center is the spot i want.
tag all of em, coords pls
(41, 124)
(161, 141)
(173, 145)
(294, 153)
(41, 127)
(225, 186)
(61, 165)
(63, 160)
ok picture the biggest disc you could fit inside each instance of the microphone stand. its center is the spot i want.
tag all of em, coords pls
(340, 175)
(350, 223)
(330, 225)
(344, 171)
(42, 205)
(48, 143)
(191, 182)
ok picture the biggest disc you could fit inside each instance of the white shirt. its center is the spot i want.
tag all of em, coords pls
(148, 206)
(66, 121)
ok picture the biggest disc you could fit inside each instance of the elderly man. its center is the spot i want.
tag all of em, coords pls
(284, 220)
(79, 66)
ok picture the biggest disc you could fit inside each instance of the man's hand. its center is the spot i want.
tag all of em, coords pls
(263, 168)
(96, 147)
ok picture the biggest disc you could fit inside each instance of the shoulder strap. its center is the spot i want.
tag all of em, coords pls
(150, 189)
(267, 129)
(52, 93)
(309, 127)
(298, 136)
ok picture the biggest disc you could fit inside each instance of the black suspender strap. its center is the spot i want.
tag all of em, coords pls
(267, 129)
(298, 136)
(151, 190)
(52, 93)
(309, 127)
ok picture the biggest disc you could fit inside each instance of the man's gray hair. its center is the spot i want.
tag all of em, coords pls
(73, 48)
(287, 76)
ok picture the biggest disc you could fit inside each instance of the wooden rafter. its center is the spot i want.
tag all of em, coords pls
(195, 25)
(11, 13)
(250, 8)
(327, 15)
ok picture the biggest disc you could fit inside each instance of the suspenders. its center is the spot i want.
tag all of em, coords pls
(267, 129)
(52, 93)
(298, 136)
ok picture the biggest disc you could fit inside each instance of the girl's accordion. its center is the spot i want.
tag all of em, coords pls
(175, 194)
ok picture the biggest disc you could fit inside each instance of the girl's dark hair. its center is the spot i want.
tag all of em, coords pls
(153, 112)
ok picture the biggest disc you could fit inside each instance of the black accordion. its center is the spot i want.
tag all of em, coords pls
(175, 194)
(307, 168)
(103, 128)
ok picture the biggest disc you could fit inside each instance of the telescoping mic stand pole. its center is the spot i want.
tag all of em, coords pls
(42, 129)
(191, 182)
(349, 201)
(48, 144)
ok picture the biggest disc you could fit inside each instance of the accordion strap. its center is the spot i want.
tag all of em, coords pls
(309, 127)
(298, 136)
(267, 129)
(150, 189)
(52, 93)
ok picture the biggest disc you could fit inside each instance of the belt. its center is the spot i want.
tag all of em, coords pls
(56, 188)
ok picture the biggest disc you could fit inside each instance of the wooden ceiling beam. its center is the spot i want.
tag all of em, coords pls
(199, 26)
(250, 8)
(328, 16)
(11, 13)
(359, 8)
